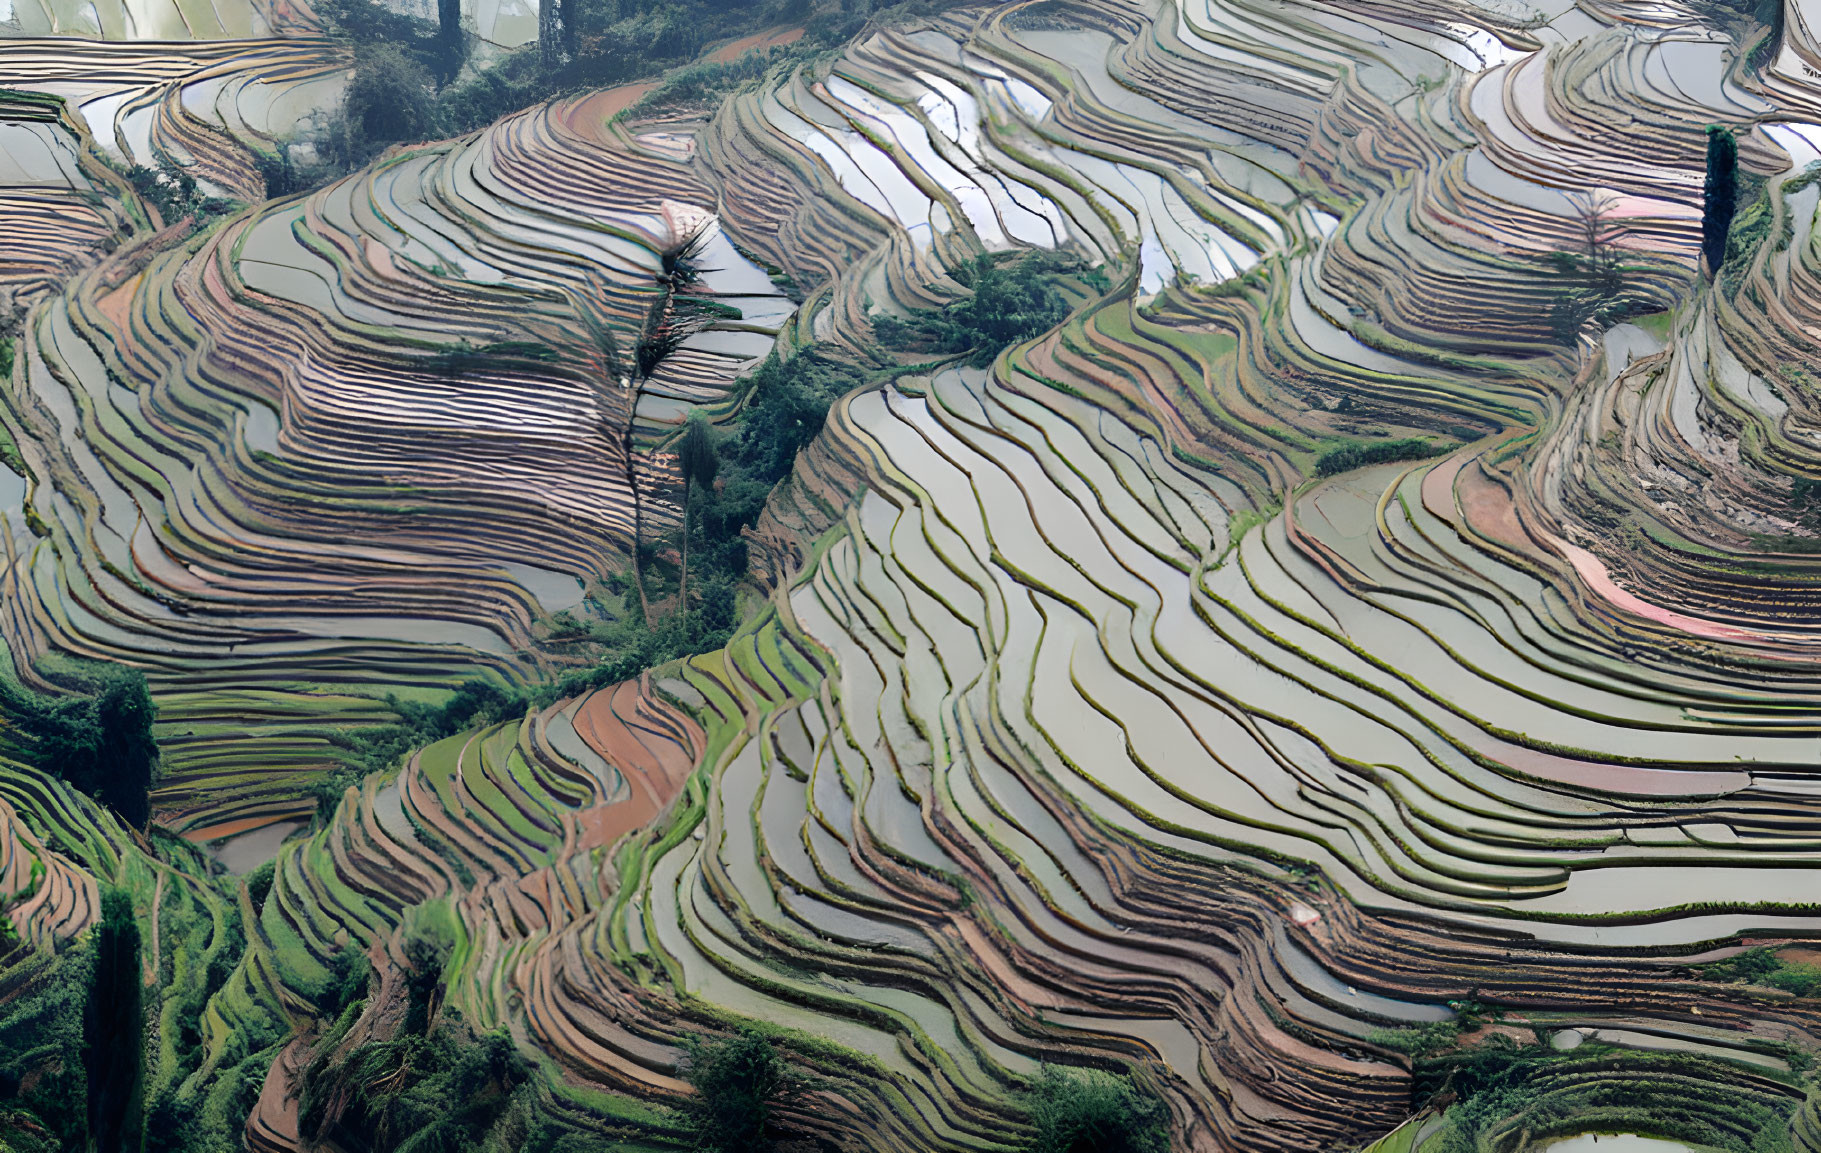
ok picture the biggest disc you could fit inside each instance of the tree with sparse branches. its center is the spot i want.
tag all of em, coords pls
(674, 316)
(1594, 277)
(1600, 236)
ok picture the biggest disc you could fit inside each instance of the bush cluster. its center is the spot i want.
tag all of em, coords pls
(1760, 966)
(174, 193)
(1006, 303)
(43, 1083)
(428, 1082)
(1419, 1040)
(1349, 457)
(739, 1082)
(1091, 1111)
(98, 737)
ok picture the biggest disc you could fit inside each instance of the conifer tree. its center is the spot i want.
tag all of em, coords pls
(697, 460)
(1721, 193)
(114, 1029)
(448, 39)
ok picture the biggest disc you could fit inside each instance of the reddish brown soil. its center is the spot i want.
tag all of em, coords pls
(232, 828)
(733, 50)
(591, 113)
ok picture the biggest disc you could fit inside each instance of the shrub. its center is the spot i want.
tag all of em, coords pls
(738, 1083)
(1760, 966)
(390, 98)
(259, 884)
(1089, 1111)
(1752, 965)
(447, 1090)
(347, 983)
(1805, 493)
(427, 953)
(173, 192)
(1418, 1040)
(1802, 980)
(436, 46)
(790, 401)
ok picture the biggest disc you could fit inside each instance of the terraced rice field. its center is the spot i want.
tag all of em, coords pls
(1094, 706)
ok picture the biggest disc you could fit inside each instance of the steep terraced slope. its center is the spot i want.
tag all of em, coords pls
(373, 436)
(1265, 659)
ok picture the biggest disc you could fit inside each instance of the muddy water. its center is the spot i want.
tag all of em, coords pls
(242, 854)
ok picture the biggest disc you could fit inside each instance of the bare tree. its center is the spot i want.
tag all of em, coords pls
(1600, 236)
(674, 316)
(1594, 276)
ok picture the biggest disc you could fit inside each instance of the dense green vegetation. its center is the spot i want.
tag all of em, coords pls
(739, 1081)
(1750, 229)
(427, 45)
(789, 403)
(389, 99)
(75, 1068)
(730, 474)
(43, 1084)
(1006, 303)
(173, 192)
(98, 737)
(1091, 1111)
(428, 1081)
(1761, 966)
(697, 461)
(1419, 1040)
(113, 1030)
(198, 1095)
(442, 1088)
(1348, 457)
